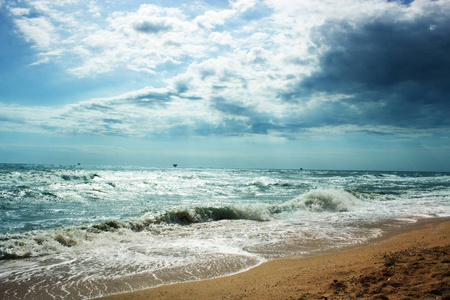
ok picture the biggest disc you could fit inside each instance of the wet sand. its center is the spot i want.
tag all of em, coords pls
(412, 262)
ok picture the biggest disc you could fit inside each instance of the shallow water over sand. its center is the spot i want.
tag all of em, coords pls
(81, 232)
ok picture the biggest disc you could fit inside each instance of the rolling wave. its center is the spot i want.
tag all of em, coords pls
(37, 243)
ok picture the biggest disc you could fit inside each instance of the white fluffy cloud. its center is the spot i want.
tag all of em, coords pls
(39, 31)
(244, 69)
(140, 40)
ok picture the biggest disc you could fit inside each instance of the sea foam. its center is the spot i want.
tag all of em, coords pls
(95, 230)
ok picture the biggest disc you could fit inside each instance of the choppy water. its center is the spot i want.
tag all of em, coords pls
(71, 232)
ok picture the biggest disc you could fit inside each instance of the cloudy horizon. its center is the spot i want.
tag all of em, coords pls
(348, 84)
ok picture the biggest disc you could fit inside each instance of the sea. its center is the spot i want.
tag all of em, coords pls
(79, 232)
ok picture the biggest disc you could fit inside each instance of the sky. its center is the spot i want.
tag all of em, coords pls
(313, 84)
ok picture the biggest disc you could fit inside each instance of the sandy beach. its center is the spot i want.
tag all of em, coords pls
(412, 262)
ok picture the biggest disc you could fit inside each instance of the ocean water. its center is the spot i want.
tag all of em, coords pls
(78, 232)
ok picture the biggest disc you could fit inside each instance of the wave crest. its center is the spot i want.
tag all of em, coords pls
(207, 214)
(330, 200)
(52, 241)
(320, 200)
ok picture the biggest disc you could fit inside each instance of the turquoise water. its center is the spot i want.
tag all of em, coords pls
(71, 232)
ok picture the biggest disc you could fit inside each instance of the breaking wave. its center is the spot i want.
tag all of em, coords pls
(329, 200)
(38, 243)
(320, 200)
(75, 176)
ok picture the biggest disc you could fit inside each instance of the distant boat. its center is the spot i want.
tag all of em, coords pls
(175, 165)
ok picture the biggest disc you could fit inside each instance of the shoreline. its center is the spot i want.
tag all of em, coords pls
(408, 261)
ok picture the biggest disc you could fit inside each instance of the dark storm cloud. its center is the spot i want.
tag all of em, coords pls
(99, 107)
(152, 27)
(254, 122)
(220, 104)
(182, 86)
(152, 98)
(406, 2)
(11, 120)
(207, 72)
(393, 71)
(112, 121)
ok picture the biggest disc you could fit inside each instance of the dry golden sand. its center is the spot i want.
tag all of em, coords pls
(411, 265)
